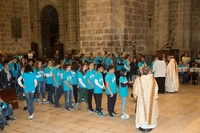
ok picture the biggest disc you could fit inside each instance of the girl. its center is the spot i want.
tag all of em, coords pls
(74, 72)
(123, 91)
(134, 68)
(127, 66)
(21, 90)
(82, 84)
(98, 88)
(90, 85)
(39, 72)
(67, 87)
(29, 85)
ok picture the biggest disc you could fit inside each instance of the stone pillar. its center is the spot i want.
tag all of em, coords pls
(8, 10)
(113, 25)
(161, 27)
(195, 27)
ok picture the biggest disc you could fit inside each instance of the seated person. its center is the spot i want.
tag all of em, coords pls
(2, 118)
(195, 74)
(6, 78)
(197, 59)
(185, 76)
(6, 110)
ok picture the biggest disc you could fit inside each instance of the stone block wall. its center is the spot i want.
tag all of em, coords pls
(136, 25)
(68, 17)
(113, 25)
(9, 9)
(195, 28)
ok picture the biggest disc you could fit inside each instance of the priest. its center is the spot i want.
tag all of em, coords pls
(172, 79)
(145, 89)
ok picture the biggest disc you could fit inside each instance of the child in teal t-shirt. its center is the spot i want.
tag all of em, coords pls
(123, 91)
(67, 87)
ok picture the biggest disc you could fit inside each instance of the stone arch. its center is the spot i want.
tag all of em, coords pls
(49, 20)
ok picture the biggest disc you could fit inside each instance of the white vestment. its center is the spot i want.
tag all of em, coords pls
(145, 89)
(172, 79)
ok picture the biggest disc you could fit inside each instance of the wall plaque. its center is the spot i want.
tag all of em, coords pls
(16, 28)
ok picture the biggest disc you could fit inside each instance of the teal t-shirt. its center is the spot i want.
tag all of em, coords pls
(83, 77)
(48, 70)
(111, 79)
(119, 61)
(38, 73)
(90, 76)
(28, 79)
(74, 78)
(127, 65)
(56, 73)
(123, 91)
(67, 76)
(99, 77)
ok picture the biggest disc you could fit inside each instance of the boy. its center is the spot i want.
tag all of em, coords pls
(67, 87)
(7, 110)
(111, 90)
(57, 84)
(98, 87)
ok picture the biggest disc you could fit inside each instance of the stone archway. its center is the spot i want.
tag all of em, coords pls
(49, 29)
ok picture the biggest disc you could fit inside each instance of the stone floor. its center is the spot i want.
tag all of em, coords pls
(179, 113)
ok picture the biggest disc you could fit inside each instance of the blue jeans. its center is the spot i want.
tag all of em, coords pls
(51, 92)
(58, 94)
(68, 98)
(185, 77)
(29, 101)
(123, 104)
(41, 87)
(8, 111)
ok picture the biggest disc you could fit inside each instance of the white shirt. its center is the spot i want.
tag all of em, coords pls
(159, 68)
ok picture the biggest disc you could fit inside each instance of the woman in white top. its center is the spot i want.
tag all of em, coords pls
(159, 69)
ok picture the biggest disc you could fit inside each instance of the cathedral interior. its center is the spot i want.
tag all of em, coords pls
(91, 26)
(102, 25)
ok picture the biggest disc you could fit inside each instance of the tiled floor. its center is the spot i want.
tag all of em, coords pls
(179, 113)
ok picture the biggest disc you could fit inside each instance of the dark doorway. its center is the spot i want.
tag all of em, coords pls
(50, 30)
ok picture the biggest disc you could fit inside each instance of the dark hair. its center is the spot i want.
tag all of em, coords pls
(122, 72)
(81, 69)
(110, 67)
(30, 60)
(90, 63)
(23, 66)
(28, 68)
(57, 63)
(74, 66)
(126, 56)
(99, 66)
(65, 66)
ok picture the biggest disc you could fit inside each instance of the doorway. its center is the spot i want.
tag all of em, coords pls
(49, 29)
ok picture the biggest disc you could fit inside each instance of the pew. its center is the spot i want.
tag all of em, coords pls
(9, 96)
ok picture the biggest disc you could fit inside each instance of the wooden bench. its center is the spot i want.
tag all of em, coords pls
(10, 97)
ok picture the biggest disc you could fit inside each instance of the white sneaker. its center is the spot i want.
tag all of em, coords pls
(38, 100)
(30, 117)
(45, 101)
(124, 116)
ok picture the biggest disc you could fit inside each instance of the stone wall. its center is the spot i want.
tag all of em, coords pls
(195, 28)
(68, 22)
(113, 25)
(9, 9)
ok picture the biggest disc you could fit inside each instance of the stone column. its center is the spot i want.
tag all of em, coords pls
(161, 25)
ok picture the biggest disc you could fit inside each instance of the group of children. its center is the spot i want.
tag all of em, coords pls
(77, 80)
(84, 81)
